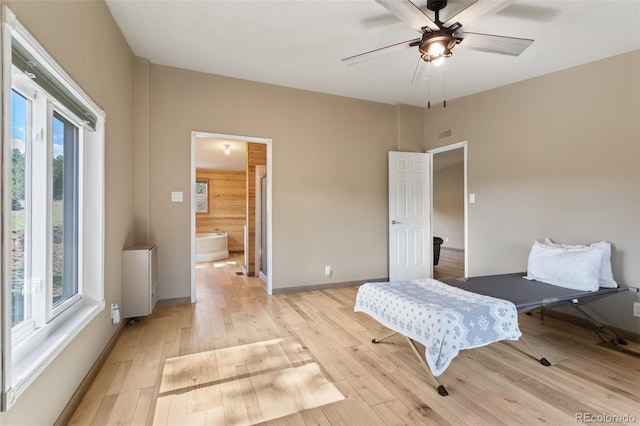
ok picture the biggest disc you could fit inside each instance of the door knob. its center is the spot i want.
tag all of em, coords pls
(393, 222)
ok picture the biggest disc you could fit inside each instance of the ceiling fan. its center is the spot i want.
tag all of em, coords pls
(439, 38)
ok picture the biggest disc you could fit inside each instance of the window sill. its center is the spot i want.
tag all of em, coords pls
(30, 360)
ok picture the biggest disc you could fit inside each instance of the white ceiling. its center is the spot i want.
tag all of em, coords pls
(299, 43)
(210, 154)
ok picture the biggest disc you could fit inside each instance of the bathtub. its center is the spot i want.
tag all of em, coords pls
(211, 247)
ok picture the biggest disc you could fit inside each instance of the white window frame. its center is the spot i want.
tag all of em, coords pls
(24, 359)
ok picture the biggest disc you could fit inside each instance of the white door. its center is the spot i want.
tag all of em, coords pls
(410, 242)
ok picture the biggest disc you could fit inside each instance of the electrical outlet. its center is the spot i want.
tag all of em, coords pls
(327, 271)
(115, 313)
(636, 309)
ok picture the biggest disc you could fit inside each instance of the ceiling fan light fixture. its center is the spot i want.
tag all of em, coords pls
(435, 49)
(436, 45)
(438, 61)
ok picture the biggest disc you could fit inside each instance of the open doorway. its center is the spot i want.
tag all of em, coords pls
(228, 215)
(449, 211)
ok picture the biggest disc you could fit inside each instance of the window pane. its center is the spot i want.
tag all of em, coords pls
(65, 210)
(19, 242)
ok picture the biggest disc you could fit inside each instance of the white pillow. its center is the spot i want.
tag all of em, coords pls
(606, 274)
(578, 269)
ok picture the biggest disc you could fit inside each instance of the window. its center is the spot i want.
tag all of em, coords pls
(20, 302)
(44, 197)
(53, 210)
(64, 238)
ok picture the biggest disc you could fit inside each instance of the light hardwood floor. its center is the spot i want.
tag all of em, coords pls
(450, 265)
(238, 356)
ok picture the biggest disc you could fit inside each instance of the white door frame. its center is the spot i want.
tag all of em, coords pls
(261, 171)
(431, 153)
(269, 143)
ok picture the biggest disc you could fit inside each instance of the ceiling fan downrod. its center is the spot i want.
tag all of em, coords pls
(436, 6)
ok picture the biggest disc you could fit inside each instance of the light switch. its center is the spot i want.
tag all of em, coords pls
(176, 196)
(472, 198)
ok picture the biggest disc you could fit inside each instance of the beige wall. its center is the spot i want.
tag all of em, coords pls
(329, 173)
(554, 156)
(141, 151)
(448, 206)
(409, 128)
(93, 52)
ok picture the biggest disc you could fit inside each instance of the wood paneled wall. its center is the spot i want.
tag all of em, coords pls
(227, 205)
(256, 156)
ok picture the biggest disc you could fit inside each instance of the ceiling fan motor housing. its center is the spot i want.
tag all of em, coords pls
(436, 4)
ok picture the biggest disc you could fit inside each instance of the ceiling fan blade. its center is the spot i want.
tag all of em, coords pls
(421, 73)
(409, 13)
(356, 59)
(478, 11)
(502, 45)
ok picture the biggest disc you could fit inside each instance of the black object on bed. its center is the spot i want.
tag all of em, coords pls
(529, 294)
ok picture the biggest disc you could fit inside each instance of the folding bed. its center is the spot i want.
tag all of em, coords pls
(466, 313)
(528, 295)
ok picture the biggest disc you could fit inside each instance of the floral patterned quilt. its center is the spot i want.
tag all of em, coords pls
(443, 318)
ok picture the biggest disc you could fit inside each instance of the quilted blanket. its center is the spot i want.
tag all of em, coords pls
(443, 318)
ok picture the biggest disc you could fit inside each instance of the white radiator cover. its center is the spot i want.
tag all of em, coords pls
(139, 280)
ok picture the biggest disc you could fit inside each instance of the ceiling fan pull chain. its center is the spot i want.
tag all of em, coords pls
(428, 85)
(444, 69)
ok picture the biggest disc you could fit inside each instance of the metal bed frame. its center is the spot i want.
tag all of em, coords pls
(526, 295)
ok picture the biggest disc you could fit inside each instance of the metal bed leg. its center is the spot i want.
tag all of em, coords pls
(601, 331)
(386, 336)
(441, 389)
(529, 313)
(540, 358)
